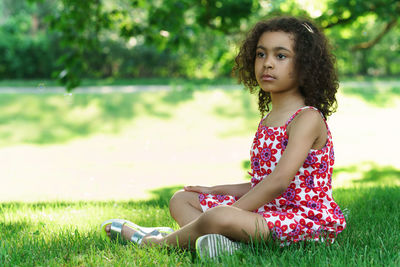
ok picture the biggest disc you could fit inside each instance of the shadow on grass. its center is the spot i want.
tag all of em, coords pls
(366, 173)
(49, 118)
(180, 94)
(161, 196)
(374, 94)
(242, 107)
(369, 173)
(15, 227)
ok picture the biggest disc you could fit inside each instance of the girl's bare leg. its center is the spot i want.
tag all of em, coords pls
(229, 221)
(185, 207)
(232, 222)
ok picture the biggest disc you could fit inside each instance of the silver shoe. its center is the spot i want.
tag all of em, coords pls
(214, 245)
(140, 231)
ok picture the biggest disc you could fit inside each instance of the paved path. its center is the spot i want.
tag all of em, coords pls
(101, 89)
(41, 89)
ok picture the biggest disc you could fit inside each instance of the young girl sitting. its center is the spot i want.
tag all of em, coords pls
(287, 62)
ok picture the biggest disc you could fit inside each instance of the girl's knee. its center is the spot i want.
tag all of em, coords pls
(176, 196)
(181, 198)
(216, 220)
(176, 200)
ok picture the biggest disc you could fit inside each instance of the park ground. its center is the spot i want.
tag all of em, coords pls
(121, 142)
(71, 161)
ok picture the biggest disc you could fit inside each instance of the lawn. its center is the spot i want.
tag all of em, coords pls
(66, 233)
(70, 146)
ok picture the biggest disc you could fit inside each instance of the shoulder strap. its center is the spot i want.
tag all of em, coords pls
(264, 118)
(298, 111)
(311, 107)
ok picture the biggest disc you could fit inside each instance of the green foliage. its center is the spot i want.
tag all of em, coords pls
(347, 12)
(351, 23)
(191, 39)
(79, 23)
(23, 54)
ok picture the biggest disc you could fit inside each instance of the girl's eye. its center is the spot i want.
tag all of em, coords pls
(281, 56)
(260, 54)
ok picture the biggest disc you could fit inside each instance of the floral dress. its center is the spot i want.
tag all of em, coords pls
(306, 210)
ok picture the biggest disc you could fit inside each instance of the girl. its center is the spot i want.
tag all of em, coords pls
(286, 60)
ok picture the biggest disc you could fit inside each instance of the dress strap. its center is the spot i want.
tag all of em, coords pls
(298, 111)
(263, 119)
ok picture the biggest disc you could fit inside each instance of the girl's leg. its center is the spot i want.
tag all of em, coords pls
(185, 207)
(229, 221)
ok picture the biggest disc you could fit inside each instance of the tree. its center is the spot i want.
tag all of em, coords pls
(342, 12)
(176, 24)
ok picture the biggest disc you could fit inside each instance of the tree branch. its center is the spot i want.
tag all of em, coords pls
(371, 43)
(340, 21)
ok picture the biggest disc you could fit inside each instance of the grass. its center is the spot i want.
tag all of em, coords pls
(66, 233)
(57, 118)
(50, 118)
(367, 174)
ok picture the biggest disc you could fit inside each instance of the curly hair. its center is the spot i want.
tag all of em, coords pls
(314, 64)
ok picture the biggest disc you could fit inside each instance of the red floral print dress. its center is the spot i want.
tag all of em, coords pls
(306, 210)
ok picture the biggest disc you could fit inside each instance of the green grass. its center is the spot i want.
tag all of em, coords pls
(51, 118)
(47, 119)
(56, 118)
(377, 95)
(366, 174)
(371, 89)
(66, 233)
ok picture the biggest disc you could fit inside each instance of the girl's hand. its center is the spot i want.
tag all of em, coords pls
(198, 189)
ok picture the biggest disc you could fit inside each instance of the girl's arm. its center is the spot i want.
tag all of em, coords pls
(228, 189)
(304, 131)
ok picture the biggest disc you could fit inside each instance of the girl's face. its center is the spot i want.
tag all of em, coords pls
(274, 63)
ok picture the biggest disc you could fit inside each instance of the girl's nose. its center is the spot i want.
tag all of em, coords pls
(268, 64)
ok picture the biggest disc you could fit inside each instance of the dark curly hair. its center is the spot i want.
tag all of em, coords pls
(314, 64)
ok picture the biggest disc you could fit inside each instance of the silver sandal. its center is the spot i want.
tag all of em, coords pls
(140, 232)
(214, 245)
(116, 229)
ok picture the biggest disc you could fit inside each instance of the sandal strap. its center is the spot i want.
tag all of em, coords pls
(137, 237)
(115, 230)
(154, 233)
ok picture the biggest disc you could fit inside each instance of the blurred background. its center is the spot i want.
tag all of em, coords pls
(112, 99)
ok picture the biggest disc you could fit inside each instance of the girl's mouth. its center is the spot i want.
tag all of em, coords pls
(267, 77)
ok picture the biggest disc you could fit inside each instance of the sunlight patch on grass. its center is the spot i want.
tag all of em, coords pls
(183, 136)
(366, 174)
(84, 114)
(375, 93)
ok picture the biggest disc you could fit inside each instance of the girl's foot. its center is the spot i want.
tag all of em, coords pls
(127, 234)
(128, 231)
